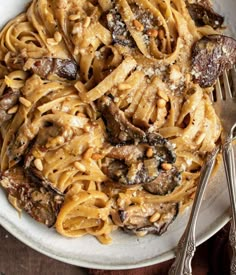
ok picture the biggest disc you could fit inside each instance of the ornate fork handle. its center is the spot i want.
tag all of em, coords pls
(229, 163)
(187, 244)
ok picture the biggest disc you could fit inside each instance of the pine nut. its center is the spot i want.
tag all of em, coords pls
(139, 26)
(161, 103)
(88, 154)
(166, 166)
(74, 17)
(38, 164)
(109, 17)
(155, 217)
(124, 86)
(51, 42)
(57, 37)
(149, 152)
(13, 110)
(152, 32)
(80, 166)
(97, 156)
(141, 233)
(81, 115)
(25, 102)
(87, 22)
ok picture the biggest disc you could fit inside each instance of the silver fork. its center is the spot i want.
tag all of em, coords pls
(187, 243)
(225, 106)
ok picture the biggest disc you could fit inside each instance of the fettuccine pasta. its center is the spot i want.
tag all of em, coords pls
(102, 124)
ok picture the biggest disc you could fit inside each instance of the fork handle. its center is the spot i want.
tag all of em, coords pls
(187, 244)
(229, 163)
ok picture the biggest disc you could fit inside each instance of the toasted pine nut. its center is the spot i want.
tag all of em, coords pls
(76, 51)
(51, 42)
(200, 138)
(13, 110)
(88, 154)
(109, 17)
(74, 17)
(97, 156)
(166, 166)
(139, 26)
(155, 217)
(87, 128)
(57, 37)
(25, 102)
(81, 115)
(38, 164)
(80, 166)
(124, 86)
(149, 152)
(161, 103)
(87, 22)
(141, 233)
(152, 32)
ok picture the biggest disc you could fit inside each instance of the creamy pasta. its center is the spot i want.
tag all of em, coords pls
(103, 125)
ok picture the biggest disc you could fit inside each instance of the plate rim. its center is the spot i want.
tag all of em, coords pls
(170, 254)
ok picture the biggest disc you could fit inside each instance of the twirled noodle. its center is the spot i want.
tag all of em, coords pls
(138, 53)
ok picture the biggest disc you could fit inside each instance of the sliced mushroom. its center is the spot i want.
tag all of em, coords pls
(120, 130)
(203, 15)
(40, 203)
(148, 218)
(64, 68)
(117, 26)
(165, 183)
(8, 100)
(141, 163)
(212, 55)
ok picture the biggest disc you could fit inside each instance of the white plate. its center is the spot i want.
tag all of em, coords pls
(126, 251)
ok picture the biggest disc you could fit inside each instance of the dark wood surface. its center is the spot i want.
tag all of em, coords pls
(18, 259)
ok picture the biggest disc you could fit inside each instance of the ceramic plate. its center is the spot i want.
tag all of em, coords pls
(126, 251)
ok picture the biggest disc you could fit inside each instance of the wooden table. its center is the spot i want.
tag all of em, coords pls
(18, 259)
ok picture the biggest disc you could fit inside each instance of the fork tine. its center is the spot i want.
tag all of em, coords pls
(234, 81)
(226, 85)
(218, 90)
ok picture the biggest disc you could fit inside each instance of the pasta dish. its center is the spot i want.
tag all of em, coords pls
(105, 111)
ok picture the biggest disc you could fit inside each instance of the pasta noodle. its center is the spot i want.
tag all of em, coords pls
(62, 62)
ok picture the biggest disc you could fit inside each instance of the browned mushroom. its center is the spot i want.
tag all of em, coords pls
(40, 203)
(117, 26)
(212, 55)
(8, 100)
(64, 68)
(120, 130)
(141, 163)
(150, 218)
(203, 15)
(165, 183)
(137, 156)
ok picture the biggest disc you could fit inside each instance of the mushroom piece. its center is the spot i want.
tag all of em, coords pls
(40, 203)
(120, 130)
(8, 100)
(117, 26)
(141, 163)
(64, 68)
(211, 55)
(203, 15)
(150, 218)
(165, 183)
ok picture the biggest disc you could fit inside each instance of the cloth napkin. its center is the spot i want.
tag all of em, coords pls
(211, 258)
